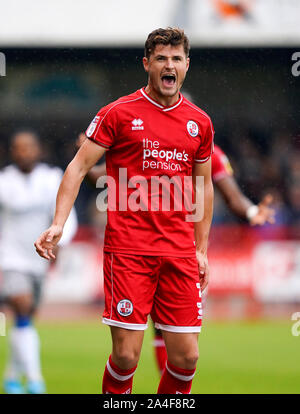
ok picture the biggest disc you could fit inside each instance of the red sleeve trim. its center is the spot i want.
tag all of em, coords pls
(203, 160)
(99, 143)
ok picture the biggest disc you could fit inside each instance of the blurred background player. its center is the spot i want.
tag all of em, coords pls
(238, 203)
(27, 199)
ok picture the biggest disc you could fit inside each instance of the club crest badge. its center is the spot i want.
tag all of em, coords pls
(192, 128)
(125, 307)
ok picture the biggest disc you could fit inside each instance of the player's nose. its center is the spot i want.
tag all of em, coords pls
(169, 63)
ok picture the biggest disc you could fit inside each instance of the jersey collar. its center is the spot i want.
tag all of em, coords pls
(162, 107)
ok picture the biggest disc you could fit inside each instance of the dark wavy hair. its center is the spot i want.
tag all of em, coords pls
(169, 36)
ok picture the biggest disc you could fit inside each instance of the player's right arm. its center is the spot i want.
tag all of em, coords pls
(86, 157)
(98, 170)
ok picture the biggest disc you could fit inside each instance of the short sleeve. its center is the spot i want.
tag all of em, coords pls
(102, 129)
(220, 165)
(206, 146)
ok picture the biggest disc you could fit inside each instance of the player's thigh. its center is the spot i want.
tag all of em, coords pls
(129, 286)
(177, 306)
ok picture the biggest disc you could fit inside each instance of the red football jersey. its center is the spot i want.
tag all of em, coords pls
(147, 139)
(220, 165)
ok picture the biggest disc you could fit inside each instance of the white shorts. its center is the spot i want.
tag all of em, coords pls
(15, 283)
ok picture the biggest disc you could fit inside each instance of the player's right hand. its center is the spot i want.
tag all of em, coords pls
(47, 241)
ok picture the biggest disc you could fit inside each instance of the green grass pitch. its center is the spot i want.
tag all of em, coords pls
(235, 357)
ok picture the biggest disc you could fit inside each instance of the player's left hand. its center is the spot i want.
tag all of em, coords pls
(203, 269)
(265, 214)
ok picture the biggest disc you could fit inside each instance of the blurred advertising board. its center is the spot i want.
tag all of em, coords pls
(263, 264)
(245, 22)
(127, 23)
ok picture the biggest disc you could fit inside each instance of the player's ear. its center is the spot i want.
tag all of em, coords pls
(187, 63)
(146, 63)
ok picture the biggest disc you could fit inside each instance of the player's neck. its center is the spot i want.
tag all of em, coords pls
(161, 99)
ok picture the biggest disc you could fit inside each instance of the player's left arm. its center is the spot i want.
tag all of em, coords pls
(204, 194)
(241, 206)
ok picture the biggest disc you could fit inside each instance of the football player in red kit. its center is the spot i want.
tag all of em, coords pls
(239, 204)
(155, 258)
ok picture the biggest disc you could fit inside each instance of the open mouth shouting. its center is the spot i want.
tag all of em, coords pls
(168, 80)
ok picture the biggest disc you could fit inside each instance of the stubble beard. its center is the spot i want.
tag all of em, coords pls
(161, 92)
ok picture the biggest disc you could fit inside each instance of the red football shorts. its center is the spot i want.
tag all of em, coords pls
(167, 288)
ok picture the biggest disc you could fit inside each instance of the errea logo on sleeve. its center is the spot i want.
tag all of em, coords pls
(137, 124)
